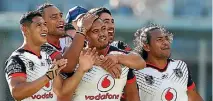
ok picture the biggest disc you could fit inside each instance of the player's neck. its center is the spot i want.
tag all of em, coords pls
(103, 51)
(30, 46)
(159, 63)
(54, 40)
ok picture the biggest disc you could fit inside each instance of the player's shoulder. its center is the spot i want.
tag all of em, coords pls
(17, 53)
(175, 64)
(177, 61)
(15, 58)
(49, 49)
(46, 46)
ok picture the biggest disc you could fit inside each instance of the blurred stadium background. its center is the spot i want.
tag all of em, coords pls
(189, 20)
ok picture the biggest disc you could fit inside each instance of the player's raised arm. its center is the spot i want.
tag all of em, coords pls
(86, 61)
(77, 45)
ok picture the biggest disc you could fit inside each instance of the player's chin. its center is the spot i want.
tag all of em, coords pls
(167, 54)
(111, 39)
(103, 46)
(60, 32)
(42, 41)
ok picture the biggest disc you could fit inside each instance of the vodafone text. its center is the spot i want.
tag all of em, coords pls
(44, 96)
(102, 96)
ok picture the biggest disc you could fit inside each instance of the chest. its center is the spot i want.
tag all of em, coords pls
(170, 84)
(100, 80)
(36, 67)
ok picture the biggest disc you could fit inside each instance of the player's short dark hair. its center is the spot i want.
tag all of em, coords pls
(142, 36)
(43, 6)
(99, 11)
(26, 18)
(69, 26)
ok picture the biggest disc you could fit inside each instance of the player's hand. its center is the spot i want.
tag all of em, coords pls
(100, 60)
(57, 66)
(115, 71)
(86, 22)
(87, 59)
(109, 62)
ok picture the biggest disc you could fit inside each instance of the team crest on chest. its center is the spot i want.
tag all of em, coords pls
(42, 63)
(48, 61)
(178, 72)
(31, 65)
(165, 76)
(149, 80)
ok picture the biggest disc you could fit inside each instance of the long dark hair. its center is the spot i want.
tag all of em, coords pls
(142, 36)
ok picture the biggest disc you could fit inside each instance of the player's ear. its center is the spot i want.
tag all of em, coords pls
(146, 47)
(24, 29)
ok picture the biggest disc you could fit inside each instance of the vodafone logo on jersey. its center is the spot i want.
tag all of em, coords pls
(169, 94)
(106, 83)
(48, 86)
(43, 96)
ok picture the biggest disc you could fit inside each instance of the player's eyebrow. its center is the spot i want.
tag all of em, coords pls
(56, 14)
(106, 19)
(160, 37)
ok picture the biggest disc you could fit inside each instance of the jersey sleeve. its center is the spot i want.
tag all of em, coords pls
(190, 83)
(131, 76)
(15, 67)
(50, 51)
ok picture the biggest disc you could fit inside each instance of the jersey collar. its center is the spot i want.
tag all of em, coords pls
(157, 68)
(30, 51)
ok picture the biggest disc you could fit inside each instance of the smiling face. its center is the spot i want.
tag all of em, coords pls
(159, 45)
(37, 31)
(98, 35)
(55, 23)
(109, 21)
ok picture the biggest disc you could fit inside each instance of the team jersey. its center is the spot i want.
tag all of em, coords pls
(168, 84)
(121, 45)
(65, 42)
(52, 50)
(27, 64)
(98, 84)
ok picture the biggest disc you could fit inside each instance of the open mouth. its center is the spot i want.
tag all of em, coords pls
(166, 48)
(102, 39)
(111, 32)
(43, 34)
(60, 27)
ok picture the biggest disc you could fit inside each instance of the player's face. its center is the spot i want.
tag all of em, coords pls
(55, 22)
(159, 44)
(37, 31)
(109, 21)
(97, 35)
